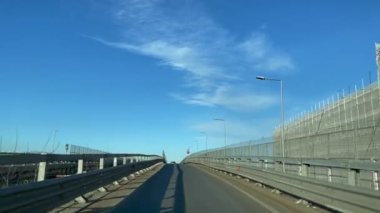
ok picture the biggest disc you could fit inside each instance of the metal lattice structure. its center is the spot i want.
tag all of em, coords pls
(345, 128)
(261, 147)
(74, 149)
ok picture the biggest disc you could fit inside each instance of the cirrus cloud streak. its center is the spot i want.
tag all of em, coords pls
(215, 64)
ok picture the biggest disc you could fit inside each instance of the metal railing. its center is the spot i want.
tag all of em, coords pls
(337, 142)
(75, 149)
(45, 195)
(357, 173)
(346, 126)
(18, 168)
(21, 158)
(314, 180)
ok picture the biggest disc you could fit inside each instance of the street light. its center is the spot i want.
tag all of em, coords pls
(282, 116)
(260, 77)
(224, 122)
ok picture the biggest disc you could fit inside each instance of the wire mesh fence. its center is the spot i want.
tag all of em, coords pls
(345, 126)
(261, 147)
(74, 149)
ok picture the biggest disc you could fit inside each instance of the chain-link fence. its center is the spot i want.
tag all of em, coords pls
(261, 147)
(74, 149)
(346, 127)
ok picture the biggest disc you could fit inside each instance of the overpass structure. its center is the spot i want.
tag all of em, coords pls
(203, 182)
(345, 125)
(346, 185)
(332, 154)
(332, 163)
(70, 177)
(20, 168)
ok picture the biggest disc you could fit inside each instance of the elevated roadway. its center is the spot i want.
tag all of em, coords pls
(143, 183)
(188, 188)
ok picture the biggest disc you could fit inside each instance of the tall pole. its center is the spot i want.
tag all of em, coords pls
(206, 141)
(225, 133)
(282, 128)
(205, 133)
(377, 46)
(282, 117)
(207, 154)
(225, 143)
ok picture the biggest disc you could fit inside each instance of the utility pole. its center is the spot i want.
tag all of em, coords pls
(377, 46)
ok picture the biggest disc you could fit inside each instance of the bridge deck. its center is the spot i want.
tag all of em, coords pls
(187, 188)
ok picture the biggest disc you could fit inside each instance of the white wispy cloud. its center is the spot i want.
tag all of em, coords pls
(181, 57)
(260, 53)
(214, 63)
(229, 98)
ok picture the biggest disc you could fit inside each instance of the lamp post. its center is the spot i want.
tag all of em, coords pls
(282, 116)
(225, 144)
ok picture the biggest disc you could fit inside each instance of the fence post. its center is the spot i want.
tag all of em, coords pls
(101, 163)
(304, 170)
(329, 174)
(353, 177)
(375, 179)
(114, 161)
(364, 104)
(124, 160)
(339, 115)
(80, 166)
(41, 171)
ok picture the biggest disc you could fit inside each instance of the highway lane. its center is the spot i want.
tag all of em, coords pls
(188, 188)
(205, 193)
(161, 193)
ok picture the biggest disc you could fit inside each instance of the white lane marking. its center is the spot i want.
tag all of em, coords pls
(266, 206)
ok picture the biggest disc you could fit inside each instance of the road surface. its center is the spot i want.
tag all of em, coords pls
(188, 188)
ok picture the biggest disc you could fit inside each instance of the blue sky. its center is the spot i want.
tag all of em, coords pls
(146, 76)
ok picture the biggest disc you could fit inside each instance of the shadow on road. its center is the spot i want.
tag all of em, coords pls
(179, 204)
(161, 193)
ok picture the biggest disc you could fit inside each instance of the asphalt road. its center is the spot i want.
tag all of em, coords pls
(186, 188)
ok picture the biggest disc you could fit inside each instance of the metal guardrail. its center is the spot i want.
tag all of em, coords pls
(20, 158)
(344, 198)
(45, 195)
(358, 173)
(16, 168)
